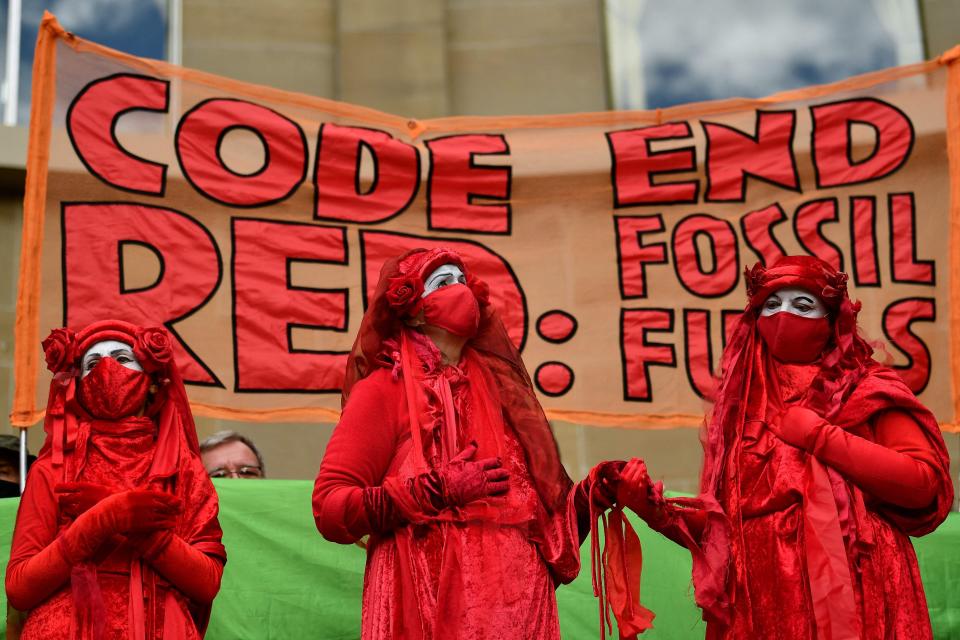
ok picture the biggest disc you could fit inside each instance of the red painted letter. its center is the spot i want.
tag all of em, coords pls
(903, 243)
(832, 141)
(757, 229)
(267, 306)
(199, 138)
(807, 221)
(863, 230)
(190, 266)
(456, 182)
(341, 193)
(638, 355)
(633, 255)
(897, 319)
(92, 122)
(635, 165)
(724, 269)
(733, 155)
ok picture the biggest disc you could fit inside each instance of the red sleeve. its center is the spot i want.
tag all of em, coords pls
(900, 467)
(37, 565)
(348, 502)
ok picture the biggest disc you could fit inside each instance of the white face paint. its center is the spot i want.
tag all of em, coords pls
(442, 276)
(122, 353)
(799, 302)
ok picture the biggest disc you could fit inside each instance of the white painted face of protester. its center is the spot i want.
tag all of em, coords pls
(122, 353)
(799, 302)
(443, 276)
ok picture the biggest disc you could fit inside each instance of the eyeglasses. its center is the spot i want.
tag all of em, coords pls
(237, 472)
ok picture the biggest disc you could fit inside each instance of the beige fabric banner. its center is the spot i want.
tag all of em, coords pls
(252, 222)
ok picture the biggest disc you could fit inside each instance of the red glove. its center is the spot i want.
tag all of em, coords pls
(607, 478)
(642, 495)
(75, 498)
(31, 582)
(798, 426)
(382, 513)
(602, 482)
(460, 482)
(139, 511)
(191, 571)
(899, 468)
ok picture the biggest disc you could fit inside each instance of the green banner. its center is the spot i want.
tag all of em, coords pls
(284, 581)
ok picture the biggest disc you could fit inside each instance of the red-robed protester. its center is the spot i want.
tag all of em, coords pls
(819, 463)
(117, 534)
(444, 458)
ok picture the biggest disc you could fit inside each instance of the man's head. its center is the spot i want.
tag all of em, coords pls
(228, 454)
(10, 466)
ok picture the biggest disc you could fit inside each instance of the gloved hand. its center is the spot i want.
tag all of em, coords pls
(75, 498)
(460, 481)
(798, 426)
(193, 572)
(637, 492)
(129, 512)
(900, 467)
(602, 481)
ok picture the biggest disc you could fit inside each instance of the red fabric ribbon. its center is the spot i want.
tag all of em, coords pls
(831, 586)
(616, 570)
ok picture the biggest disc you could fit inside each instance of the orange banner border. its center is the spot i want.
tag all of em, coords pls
(26, 330)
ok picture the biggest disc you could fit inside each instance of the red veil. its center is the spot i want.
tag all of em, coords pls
(381, 343)
(174, 467)
(849, 389)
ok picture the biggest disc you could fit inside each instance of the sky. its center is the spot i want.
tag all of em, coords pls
(134, 26)
(696, 50)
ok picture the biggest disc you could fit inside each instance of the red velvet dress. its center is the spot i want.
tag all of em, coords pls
(118, 456)
(485, 571)
(767, 476)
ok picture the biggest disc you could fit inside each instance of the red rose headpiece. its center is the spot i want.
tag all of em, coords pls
(805, 272)
(405, 289)
(151, 345)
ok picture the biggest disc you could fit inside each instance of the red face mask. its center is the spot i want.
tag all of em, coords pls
(112, 391)
(792, 338)
(453, 308)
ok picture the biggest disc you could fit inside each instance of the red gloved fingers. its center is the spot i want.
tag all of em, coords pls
(146, 510)
(191, 571)
(639, 493)
(488, 463)
(798, 426)
(128, 512)
(498, 487)
(902, 478)
(75, 498)
(496, 475)
(381, 511)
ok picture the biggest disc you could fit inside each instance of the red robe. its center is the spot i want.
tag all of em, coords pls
(765, 481)
(118, 457)
(486, 571)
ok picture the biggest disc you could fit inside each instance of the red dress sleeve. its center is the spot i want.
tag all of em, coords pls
(898, 468)
(37, 566)
(348, 501)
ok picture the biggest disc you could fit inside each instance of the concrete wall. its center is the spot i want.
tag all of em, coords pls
(419, 58)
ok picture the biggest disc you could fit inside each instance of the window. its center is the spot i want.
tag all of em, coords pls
(666, 53)
(135, 26)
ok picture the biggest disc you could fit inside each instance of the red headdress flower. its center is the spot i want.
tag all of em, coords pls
(153, 348)
(59, 349)
(404, 294)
